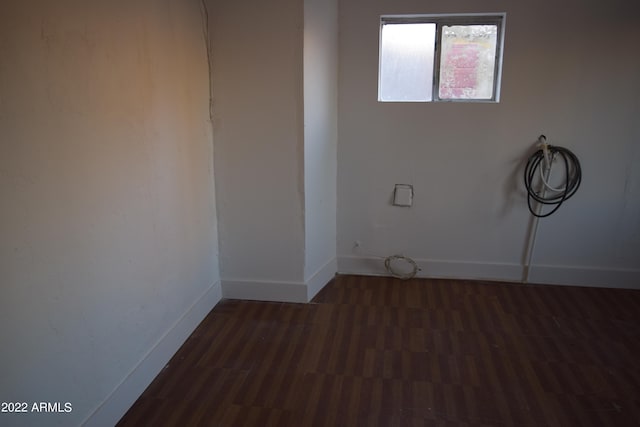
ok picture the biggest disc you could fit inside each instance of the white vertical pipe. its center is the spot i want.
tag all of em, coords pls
(533, 225)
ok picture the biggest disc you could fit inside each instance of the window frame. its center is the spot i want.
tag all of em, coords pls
(441, 20)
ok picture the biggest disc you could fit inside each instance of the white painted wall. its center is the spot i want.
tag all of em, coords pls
(320, 140)
(258, 129)
(571, 72)
(275, 126)
(108, 253)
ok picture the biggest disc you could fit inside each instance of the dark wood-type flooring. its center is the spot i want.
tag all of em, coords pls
(385, 352)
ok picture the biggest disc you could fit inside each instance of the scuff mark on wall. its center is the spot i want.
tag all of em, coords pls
(204, 13)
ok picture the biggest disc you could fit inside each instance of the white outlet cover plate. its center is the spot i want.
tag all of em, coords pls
(403, 195)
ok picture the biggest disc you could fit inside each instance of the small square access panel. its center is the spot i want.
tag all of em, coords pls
(403, 195)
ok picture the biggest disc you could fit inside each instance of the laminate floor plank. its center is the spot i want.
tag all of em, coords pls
(378, 351)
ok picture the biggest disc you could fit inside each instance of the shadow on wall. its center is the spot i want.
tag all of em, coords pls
(513, 189)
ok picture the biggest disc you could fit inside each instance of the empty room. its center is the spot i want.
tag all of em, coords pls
(319, 213)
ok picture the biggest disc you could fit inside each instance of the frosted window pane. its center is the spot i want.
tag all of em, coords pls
(467, 64)
(406, 62)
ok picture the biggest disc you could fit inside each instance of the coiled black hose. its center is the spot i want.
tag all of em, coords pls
(573, 177)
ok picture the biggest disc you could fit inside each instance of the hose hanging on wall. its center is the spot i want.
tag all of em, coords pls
(542, 161)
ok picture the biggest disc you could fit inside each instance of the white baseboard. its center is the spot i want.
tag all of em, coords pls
(320, 278)
(266, 290)
(541, 274)
(262, 290)
(435, 269)
(581, 276)
(128, 391)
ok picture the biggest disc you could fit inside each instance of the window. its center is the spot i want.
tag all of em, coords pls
(428, 58)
